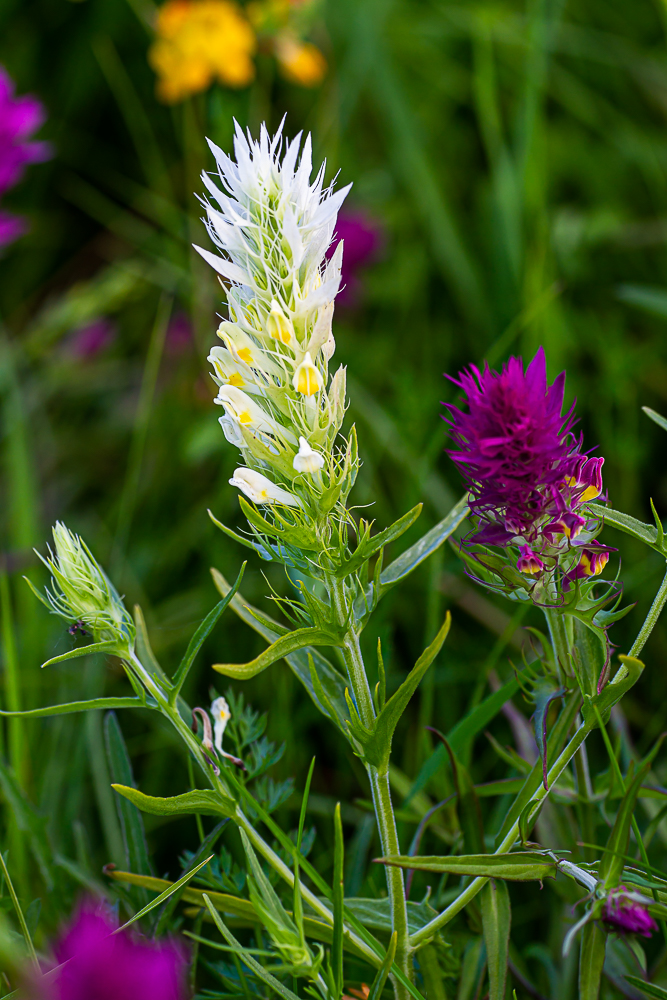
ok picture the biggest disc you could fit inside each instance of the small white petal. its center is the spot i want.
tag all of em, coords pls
(306, 459)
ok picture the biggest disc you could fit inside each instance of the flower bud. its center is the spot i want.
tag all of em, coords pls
(279, 327)
(592, 563)
(626, 913)
(587, 477)
(568, 524)
(307, 377)
(529, 562)
(306, 459)
(81, 591)
(259, 489)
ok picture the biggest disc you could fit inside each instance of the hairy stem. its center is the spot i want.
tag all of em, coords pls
(477, 884)
(384, 812)
(651, 619)
(172, 714)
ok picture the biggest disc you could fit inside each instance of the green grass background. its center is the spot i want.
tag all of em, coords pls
(516, 156)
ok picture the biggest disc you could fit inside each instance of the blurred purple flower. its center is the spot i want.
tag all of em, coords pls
(363, 237)
(179, 334)
(19, 118)
(626, 913)
(11, 227)
(92, 338)
(101, 965)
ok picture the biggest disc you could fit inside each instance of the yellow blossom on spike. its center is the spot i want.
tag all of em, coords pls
(593, 563)
(198, 41)
(279, 326)
(307, 377)
(236, 379)
(300, 62)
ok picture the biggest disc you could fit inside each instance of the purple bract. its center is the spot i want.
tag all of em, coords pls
(101, 965)
(19, 118)
(514, 446)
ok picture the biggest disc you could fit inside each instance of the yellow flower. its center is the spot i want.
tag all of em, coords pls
(300, 62)
(198, 41)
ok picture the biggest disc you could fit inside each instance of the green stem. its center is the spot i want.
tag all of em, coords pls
(651, 619)
(477, 884)
(384, 811)
(560, 642)
(171, 713)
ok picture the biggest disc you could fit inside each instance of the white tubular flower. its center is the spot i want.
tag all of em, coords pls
(221, 716)
(306, 459)
(307, 378)
(259, 489)
(235, 373)
(231, 430)
(250, 414)
(81, 591)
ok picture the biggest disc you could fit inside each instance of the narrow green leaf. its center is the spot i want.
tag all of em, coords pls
(132, 825)
(94, 647)
(203, 851)
(19, 914)
(496, 921)
(408, 561)
(258, 969)
(646, 533)
(163, 895)
(82, 706)
(200, 636)
(144, 648)
(648, 989)
(626, 677)
(287, 644)
(377, 747)
(338, 893)
(524, 866)
(381, 976)
(331, 682)
(591, 960)
(655, 417)
(204, 801)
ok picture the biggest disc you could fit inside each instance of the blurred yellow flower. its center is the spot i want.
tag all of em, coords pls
(299, 61)
(197, 42)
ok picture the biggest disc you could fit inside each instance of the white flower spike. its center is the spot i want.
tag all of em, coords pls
(259, 489)
(306, 459)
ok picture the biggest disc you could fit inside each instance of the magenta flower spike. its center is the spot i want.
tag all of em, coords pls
(101, 965)
(20, 117)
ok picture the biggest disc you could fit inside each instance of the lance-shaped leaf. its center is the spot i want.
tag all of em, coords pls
(204, 801)
(110, 646)
(408, 561)
(381, 978)
(496, 920)
(544, 696)
(646, 533)
(290, 643)
(331, 682)
(200, 636)
(591, 960)
(68, 708)
(376, 742)
(648, 989)
(368, 545)
(523, 866)
(626, 677)
(612, 864)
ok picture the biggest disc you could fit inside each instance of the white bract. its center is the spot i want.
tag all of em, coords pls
(274, 224)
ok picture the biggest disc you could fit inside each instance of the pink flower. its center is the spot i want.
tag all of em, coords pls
(101, 965)
(624, 913)
(19, 118)
(92, 338)
(362, 237)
